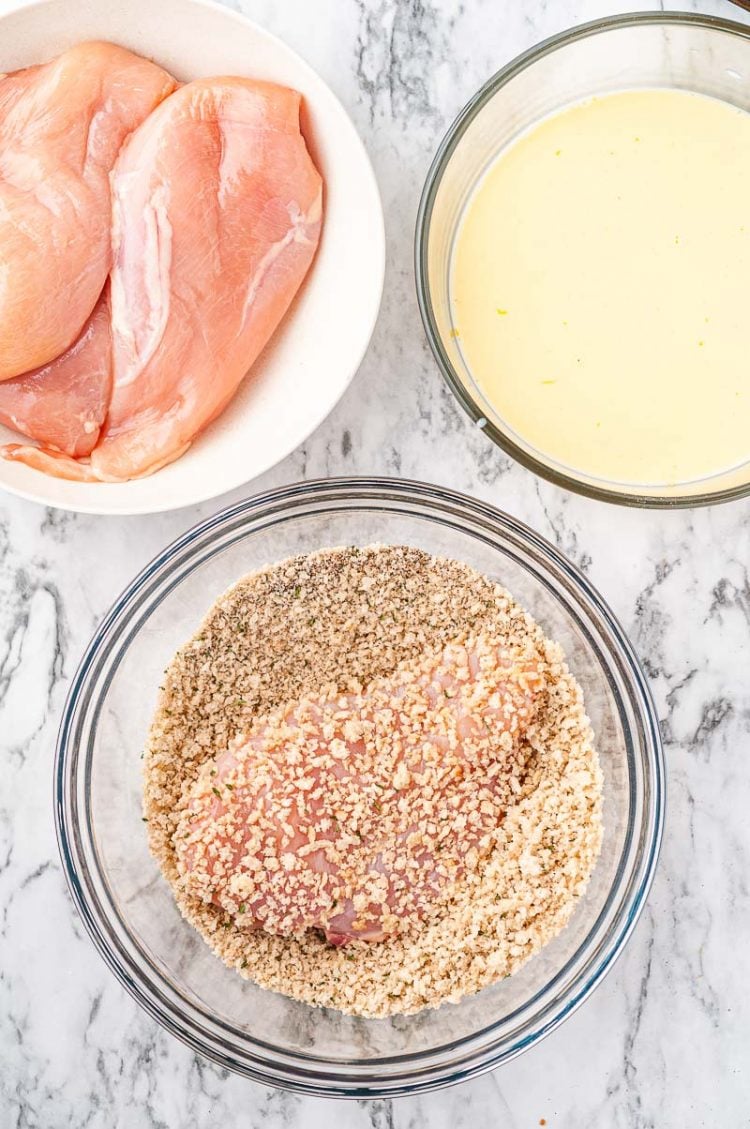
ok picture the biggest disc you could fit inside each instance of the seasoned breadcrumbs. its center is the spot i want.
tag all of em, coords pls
(328, 628)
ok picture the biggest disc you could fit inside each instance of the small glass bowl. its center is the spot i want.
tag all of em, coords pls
(696, 53)
(127, 906)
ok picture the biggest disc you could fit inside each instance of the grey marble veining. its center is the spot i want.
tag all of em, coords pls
(666, 1040)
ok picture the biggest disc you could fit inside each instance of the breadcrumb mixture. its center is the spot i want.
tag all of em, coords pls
(319, 631)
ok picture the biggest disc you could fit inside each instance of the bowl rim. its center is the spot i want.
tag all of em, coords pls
(298, 1071)
(97, 503)
(434, 177)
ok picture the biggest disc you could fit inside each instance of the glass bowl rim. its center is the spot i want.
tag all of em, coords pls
(440, 161)
(306, 1074)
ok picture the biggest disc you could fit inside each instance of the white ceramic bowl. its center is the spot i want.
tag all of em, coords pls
(318, 348)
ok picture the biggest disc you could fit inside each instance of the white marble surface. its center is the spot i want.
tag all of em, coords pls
(666, 1040)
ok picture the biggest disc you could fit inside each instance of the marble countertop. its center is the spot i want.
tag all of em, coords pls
(665, 1041)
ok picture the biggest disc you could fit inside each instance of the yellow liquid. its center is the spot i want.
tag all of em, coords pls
(600, 287)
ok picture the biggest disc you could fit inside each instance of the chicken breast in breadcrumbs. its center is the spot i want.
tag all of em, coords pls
(352, 813)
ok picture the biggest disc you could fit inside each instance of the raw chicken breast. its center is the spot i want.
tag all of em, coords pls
(63, 404)
(352, 814)
(217, 216)
(61, 127)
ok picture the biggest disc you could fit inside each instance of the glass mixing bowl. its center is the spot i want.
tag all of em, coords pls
(643, 50)
(127, 906)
